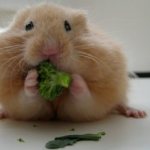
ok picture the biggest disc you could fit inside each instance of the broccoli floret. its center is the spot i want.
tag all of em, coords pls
(51, 81)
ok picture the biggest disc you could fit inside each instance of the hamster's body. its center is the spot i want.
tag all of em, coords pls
(62, 35)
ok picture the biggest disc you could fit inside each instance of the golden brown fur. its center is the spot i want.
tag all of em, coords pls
(83, 51)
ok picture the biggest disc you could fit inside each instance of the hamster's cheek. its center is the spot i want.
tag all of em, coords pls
(32, 51)
(32, 60)
(32, 57)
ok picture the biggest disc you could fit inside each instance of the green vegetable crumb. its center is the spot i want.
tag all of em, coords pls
(35, 125)
(63, 141)
(72, 129)
(51, 81)
(21, 140)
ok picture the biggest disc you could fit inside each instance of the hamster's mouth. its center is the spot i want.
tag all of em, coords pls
(51, 53)
(56, 60)
(53, 60)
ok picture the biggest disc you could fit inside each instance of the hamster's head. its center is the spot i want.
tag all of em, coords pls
(49, 32)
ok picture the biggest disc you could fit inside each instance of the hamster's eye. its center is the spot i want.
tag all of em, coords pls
(67, 26)
(29, 26)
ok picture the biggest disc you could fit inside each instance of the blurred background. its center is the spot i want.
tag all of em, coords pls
(127, 21)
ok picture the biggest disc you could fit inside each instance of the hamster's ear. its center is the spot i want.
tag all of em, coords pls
(20, 18)
(80, 20)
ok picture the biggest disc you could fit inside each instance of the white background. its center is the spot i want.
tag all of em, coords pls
(127, 21)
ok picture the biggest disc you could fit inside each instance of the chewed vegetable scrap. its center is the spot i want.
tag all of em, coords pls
(63, 141)
(51, 81)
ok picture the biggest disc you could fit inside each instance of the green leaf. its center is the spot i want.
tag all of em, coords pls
(21, 140)
(73, 129)
(83, 137)
(63, 141)
(60, 143)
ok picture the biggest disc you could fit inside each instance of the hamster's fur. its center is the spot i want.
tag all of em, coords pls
(96, 63)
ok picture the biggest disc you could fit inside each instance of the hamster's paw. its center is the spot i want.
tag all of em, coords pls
(31, 83)
(79, 88)
(131, 112)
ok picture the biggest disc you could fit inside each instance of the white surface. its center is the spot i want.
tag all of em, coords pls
(122, 133)
(126, 20)
(2, 30)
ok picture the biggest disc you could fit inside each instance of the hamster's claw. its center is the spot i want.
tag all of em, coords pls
(131, 112)
(3, 114)
(31, 83)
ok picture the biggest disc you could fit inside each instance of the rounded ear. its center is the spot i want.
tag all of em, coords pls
(20, 17)
(80, 19)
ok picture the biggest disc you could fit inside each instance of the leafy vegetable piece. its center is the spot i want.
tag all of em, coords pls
(73, 129)
(21, 140)
(35, 125)
(83, 137)
(60, 143)
(63, 141)
(51, 81)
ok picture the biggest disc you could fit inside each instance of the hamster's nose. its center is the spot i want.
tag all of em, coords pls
(50, 51)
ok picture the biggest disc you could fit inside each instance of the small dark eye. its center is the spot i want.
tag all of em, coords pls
(67, 26)
(29, 26)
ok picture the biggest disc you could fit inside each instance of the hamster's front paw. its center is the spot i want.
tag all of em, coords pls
(79, 88)
(31, 83)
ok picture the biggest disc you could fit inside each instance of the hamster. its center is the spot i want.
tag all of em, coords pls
(65, 37)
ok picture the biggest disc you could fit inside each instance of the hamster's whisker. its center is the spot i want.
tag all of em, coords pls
(12, 57)
(10, 74)
(62, 54)
(22, 65)
(14, 45)
(89, 56)
(95, 59)
(9, 67)
(10, 61)
(11, 47)
(74, 59)
(9, 53)
(14, 71)
(16, 33)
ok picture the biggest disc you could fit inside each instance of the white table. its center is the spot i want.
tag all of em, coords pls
(2, 30)
(122, 133)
